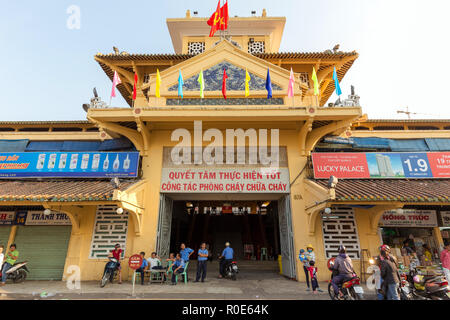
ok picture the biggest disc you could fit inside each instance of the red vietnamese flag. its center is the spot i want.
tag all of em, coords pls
(214, 20)
(224, 17)
(135, 85)
(224, 84)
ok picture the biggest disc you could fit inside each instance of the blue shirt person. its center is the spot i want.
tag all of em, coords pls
(227, 253)
(202, 259)
(143, 267)
(226, 258)
(185, 252)
(177, 267)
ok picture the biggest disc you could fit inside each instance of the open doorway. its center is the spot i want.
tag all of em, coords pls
(260, 231)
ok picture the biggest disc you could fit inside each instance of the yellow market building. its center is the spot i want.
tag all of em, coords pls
(264, 208)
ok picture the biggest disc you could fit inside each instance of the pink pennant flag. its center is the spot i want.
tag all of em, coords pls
(116, 81)
(291, 85)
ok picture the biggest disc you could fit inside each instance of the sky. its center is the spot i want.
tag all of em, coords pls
(48, 70)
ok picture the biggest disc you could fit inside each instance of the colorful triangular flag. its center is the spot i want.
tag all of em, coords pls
(268, 85)
(158, 84)
(247, 83)
(135, 86)
(180, 85)
(291, 85)
(116, 81)
(316, 83)
(201, 83)
(224, 84)
(336, 82)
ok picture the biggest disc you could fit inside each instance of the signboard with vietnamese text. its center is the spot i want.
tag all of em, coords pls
(381, 165)
(225, 180)
(7, 217)
(409, 218)
(445, 218)
(68, 164)
(38, 218)
(135, 261)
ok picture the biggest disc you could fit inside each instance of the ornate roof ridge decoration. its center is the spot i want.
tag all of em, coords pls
(267, 55)
(236, 79)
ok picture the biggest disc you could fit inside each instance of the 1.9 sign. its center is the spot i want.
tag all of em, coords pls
(416, 165)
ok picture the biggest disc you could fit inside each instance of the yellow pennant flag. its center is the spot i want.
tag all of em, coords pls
(158, 83)
(316, 83)
(247, 80)
(201, 83)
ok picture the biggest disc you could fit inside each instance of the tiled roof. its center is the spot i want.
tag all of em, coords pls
(325, 58)
(402, 190)
(58, 190)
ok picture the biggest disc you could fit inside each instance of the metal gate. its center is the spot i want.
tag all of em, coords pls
(45, 249)
(4, 236)
(164, 225)
(286, 237)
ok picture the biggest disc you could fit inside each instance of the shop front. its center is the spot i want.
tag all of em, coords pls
(412, 236)
(244, 204)
(444, 225)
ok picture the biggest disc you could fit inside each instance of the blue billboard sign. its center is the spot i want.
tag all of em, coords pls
(69, 164)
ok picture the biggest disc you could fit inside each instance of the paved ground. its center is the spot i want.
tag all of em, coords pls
(264, 284)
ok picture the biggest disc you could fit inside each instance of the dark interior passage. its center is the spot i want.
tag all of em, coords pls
(250, 226)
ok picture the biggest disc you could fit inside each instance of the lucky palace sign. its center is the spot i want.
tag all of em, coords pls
(225, 180)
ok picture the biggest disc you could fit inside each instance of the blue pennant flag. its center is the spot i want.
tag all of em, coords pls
(268, 85)
(336, 82)
(180, 85)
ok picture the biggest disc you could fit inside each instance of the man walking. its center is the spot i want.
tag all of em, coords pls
(226, 258)
(11, 258)
(202, 259)
(390, 276)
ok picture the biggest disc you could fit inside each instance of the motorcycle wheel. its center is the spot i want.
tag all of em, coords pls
(104, 279)
(352, 295)
(331, 292)
(233, 276)
(21, 276)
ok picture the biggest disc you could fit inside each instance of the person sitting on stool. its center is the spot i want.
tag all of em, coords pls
(177, 267)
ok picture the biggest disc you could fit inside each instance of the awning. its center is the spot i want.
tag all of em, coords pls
(438, 144)
(395, 145)
(58, 190)
(379, 143)
(13, 145)
(402, 190)
(107, 145)
(408, 145)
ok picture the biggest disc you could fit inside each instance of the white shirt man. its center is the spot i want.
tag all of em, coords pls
(154, 261)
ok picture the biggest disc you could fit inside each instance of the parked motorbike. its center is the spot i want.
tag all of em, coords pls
(110, 271)
(428, 287)
(231, 269)
(18, 272)
(351, 289)
(405, 291)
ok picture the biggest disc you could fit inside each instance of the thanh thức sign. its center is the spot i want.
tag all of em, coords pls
(384, 165)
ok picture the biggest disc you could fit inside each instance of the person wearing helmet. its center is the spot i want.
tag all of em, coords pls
(344, 269)
(382, 287)
(390, 276)
(225, 259)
